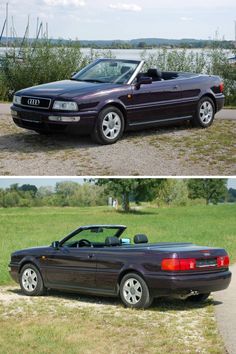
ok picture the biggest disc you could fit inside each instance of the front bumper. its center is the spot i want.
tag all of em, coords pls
(168, 284)
(38, 120)
(14, 271)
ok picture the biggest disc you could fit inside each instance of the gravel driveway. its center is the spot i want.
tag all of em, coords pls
(176, 150)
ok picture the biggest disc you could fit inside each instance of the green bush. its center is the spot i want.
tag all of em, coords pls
(33, 66)
(214, 62)
(41, 64)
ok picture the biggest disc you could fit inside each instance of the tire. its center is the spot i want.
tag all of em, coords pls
(31, 281)
(134, 292)
(205, 113)
(198, 298)
(109, 126)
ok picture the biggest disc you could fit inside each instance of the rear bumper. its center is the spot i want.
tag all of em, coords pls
(167, 285)
(220, 101)
(39, 120)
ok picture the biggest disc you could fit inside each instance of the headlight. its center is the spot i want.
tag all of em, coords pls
(65, 106)
(16, 99)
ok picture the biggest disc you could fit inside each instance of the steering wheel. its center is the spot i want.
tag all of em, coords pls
(84, 242)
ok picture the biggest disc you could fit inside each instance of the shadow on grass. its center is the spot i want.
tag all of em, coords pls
(137, 212)
(30, 142)
(159, 304)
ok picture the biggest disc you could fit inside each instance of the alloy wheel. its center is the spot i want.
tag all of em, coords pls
(132, 291)
(111, 125)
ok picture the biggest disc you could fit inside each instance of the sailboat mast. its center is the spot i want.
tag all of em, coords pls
(7, 24)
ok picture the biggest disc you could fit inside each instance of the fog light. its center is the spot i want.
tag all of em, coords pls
(13, 113)
(64, 119)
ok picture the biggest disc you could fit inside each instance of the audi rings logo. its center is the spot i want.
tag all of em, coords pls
(33, 102)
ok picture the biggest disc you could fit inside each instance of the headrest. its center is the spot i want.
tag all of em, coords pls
(112, 241)
(154, 73)
(124, 69)
(140, 238)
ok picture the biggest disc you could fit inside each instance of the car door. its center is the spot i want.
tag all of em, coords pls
(155, 102)
(71, 267)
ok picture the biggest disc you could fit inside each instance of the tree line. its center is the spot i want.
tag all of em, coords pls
(160, 192)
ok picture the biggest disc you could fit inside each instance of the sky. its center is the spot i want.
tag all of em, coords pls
(46, 181)
(125, 19)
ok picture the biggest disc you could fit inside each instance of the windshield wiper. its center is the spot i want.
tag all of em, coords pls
(91, 80)
(94, 80)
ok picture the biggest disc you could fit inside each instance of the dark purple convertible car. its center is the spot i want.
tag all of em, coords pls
(96, 260)
(111, 96)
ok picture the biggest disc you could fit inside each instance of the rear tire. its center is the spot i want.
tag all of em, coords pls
(31, 281)
(205, 113)
(134, 292)
(109, 126)
(198, 298)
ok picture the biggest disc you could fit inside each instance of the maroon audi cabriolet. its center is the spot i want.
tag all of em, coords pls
(97, 260)
(110, 96)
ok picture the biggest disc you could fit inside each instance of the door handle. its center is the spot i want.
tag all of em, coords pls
(176, 87)
(90, 256)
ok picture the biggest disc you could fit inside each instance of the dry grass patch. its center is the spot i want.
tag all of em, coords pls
(75, 324)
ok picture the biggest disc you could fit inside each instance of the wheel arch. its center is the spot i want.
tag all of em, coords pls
(29, 261)
(127, 271)
(212, 97)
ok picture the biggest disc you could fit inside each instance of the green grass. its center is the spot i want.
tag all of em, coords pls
(73, 323)
(205, 225)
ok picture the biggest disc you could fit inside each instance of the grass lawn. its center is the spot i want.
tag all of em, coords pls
(205, 225)
(68, 323)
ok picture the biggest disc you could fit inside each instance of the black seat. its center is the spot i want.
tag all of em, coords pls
(155, 74)
(140, 238)
(112, 241)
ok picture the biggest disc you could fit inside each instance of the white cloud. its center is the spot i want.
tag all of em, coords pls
(186, 19)
(126, 7)
(76, 3)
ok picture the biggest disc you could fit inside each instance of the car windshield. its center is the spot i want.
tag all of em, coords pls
(94, 235)
(108, 71)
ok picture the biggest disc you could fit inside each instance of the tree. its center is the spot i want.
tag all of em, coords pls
(173, 192)
(211, 189)
(124, 188)
(29, 188)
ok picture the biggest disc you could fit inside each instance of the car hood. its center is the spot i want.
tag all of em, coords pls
(30, 251)
(65, 88)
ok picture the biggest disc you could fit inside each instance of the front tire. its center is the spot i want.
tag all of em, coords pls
(109, 126)
(31, 281)
(134, 291)
(205, 113)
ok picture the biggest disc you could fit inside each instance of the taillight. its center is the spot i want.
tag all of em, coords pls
(221, 87)
(223, 262)
(173, 264)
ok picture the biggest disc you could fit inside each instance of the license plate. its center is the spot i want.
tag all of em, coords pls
(205, 263)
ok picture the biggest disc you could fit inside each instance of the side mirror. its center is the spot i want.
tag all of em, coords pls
(144, 80)
(73, 74)
(55, 245)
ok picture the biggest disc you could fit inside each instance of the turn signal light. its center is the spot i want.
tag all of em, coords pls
(173, 264)
(223, 262)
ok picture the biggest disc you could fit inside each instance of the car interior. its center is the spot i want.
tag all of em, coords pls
(110, 241)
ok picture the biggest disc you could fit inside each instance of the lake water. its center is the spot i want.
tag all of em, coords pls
(131, 53)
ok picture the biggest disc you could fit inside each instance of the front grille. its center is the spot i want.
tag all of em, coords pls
(35, 102)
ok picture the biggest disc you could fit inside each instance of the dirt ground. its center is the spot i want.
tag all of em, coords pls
(176, 150)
